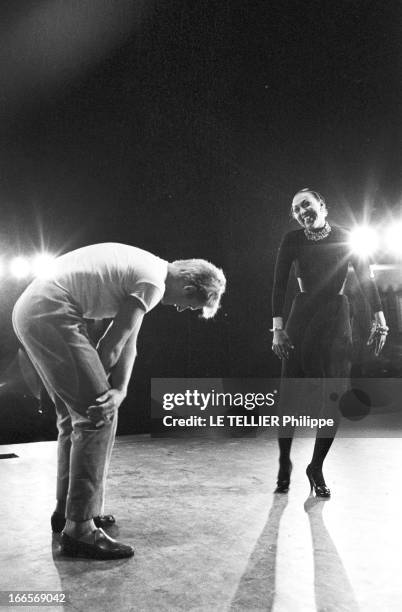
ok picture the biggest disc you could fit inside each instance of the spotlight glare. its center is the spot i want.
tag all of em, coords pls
(43, 265)
(393, 237)
(19, 267)
(363, 241)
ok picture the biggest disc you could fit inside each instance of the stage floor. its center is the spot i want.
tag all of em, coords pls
(208, 532)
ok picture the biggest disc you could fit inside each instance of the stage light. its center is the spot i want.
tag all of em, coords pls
(43, 265)
(393, 239)
(20, 267)
(363, 241)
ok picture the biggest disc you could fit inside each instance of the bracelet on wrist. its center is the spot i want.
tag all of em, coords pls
(380, 329)
(274, 329)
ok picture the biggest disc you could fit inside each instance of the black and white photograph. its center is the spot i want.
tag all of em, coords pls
(201, 305)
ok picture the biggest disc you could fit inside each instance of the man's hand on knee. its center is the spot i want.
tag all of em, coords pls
(105, 407)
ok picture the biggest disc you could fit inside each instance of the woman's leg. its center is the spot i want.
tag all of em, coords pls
(285, 465)
(291, 369)
(336, 351)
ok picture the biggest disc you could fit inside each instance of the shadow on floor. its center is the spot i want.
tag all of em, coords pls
(256, 590)
(333, 590)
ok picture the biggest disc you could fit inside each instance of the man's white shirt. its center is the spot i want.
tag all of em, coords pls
(100, 276)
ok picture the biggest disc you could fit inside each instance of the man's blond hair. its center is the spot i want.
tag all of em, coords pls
(209, 281)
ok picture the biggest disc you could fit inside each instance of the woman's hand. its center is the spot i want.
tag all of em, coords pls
(378, 332)
(281, 344)
(377, 337)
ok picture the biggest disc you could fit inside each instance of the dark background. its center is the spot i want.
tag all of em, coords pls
(185, 127)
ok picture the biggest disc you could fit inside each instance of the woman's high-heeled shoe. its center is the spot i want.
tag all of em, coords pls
(317, 482)
(283, 481)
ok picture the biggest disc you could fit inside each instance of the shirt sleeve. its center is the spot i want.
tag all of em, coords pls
(367, 283)
(284, 260)
(147, 294)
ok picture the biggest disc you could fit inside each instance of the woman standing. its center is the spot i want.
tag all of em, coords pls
(317, 339)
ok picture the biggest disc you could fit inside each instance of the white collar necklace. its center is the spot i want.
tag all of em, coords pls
(319, 234)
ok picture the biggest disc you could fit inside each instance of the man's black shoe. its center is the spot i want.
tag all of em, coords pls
(101, 547)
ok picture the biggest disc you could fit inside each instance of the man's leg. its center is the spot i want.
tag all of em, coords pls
(96, 329)
(65, 429)
(90, 446)
(54, 335)
(64, 445)
(73, 375)
(107, 464)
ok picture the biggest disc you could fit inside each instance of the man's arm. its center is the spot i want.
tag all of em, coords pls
(124, 327)
(118, 343)
(121, 372)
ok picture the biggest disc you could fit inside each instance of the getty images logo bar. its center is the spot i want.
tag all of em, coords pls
(220, 406)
